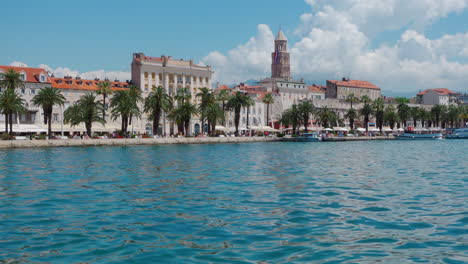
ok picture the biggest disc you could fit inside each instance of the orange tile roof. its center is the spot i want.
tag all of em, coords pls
(317, 88)
(223, 87)
(441, 91)
(355, 83)
(32, 74)
(90, 85)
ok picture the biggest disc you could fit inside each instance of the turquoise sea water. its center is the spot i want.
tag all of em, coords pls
(350, 202)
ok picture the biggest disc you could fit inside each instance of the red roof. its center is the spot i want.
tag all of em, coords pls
(223, 87)
(317, 88)
(32, 74)
(440, 91)
(91, 85)
(355, 83)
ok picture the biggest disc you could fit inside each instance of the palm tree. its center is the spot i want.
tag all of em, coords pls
(86, 110)
(223, 98)
(366, 110)
(104, 89)
(268, 99)
(437, 111)
(425, 117)
(327, 117)
(306, 108)
(157, 102)
(403, 109)
(453, 114)
(206, 98)
(47, 98)
(249, 102)
(182, 114)
(135, 99)
(379, 109)
(10, 103)
(292, 116)
(214, 113)
(415, 114)
(235, 103)
(11, 79)
(351, 98)
(351, 115)
(390, 116)
(124, 106)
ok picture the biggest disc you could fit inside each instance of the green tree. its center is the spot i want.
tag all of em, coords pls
(415, 114)
(327, 117)
(104, 89)
(47, 98)
(453, 115)
(157, 102)
(351, 98)
(425, 117)
(11, 79)
(292, 116)
(206, 98)
(403, 110)
(351, 115)
(366, 110)
(182, 114)
(223, 97)
(10, 103)
(86, 110)
(249, 102)
(124, 105)
(379, 111)
(306, 108)
(437, 112)
(236, 103)
(390, 116)
(268, 99)
(214, 114)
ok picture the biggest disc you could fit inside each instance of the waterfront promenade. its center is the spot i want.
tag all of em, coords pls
(128, 142)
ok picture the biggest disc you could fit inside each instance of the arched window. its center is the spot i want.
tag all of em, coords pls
(23, 76)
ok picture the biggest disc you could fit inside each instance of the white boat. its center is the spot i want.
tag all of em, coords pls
(415, 136)
(306, 137)
(461, 133)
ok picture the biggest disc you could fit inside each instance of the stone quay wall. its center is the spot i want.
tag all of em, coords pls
(128, 142)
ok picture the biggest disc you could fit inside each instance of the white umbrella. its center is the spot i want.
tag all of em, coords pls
(344, 129)
(374, 129)
(328, 129)
(387, 129)
(400, 129)
(222, 128)
(360, 129)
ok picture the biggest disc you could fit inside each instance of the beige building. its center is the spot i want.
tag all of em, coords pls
(171, 74)
(442, 96)
(341, 89)
(32, 121)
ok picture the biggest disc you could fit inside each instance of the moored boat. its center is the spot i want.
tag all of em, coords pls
(409, 135)
(306, 137)
(461, 133)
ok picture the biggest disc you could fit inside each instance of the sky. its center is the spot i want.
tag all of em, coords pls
(403, 46)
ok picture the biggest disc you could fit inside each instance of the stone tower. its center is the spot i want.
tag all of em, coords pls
(280, 68)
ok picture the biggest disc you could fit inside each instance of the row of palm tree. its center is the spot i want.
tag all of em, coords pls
(300, 114)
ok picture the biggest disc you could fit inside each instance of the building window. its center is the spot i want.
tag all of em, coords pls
(146, 75)
(55, 117)
(153, 75)
(43, 79)
(33, 91)
(23, 91)
(23, 76)
(146, 87)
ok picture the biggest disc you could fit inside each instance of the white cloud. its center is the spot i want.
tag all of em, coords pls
(101, 74)
(246, 61)
(335, 41)
(18, 64)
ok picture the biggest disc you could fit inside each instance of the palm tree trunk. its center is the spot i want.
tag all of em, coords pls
(187, 127)
(268, 114)
(213, 129)
(104, 106)
(88, 128)
(236, 121)
(49, 125)
(6, 122)
(11, 123)
(156, 119)
(306, 123)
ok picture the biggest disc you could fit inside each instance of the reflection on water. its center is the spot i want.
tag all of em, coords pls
(389, 201)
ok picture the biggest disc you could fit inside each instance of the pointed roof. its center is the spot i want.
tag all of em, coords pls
(281, 36)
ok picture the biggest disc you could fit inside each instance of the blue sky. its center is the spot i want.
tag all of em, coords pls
(86, 36)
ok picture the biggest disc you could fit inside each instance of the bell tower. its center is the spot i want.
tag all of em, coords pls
(280, 67)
